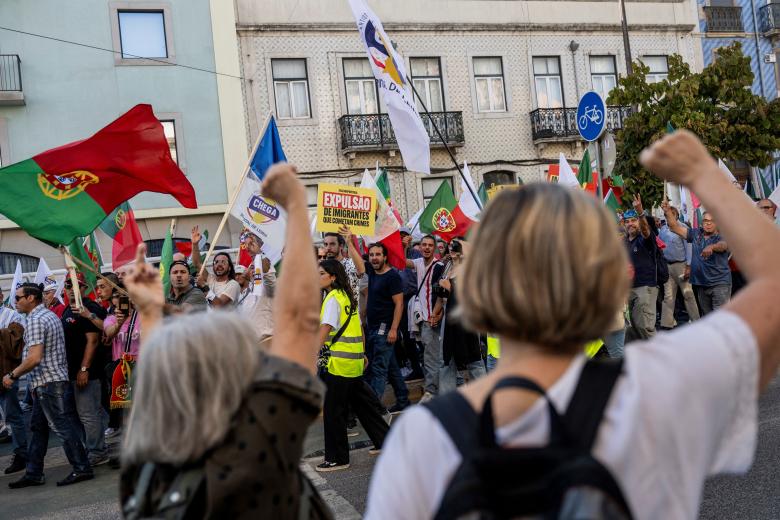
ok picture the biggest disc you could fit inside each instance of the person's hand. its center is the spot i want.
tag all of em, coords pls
(143, 284)
(345, 232)
(665, 206)
(687, 273)
(195, 236)
(202, 278)
(444, 283)
(406, 241)
(120, 317)
(82, 379)
(436, 318)
(281, 184)
(707, 252)
(637, 203)
(266, 265)
(7, 383)
(84, 312)
(679, 157)
(392, 336)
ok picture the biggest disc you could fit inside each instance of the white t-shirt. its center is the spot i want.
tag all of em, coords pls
(685, 408)
(425, 290)
(229, 288)
(332, 314)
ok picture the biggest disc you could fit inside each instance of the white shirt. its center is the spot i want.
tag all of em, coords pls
(257, 306)
(229, 288)
(425, 291)
(685, 408)
(332, 314)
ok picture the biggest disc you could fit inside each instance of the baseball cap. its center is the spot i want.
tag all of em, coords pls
(630, 214)
(240, 269)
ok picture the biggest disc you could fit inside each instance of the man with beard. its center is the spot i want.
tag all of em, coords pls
(640, 240)
(334, 248)
(184, 295)
(221, 288)
(257, 303)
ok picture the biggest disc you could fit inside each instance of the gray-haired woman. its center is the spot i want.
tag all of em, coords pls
(217, 426)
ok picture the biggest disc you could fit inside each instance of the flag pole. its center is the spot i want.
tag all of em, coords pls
(444, 142)
(91, 268)
(71, 267)
(233, 197)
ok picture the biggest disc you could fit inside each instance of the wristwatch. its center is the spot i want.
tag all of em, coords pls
(92, 316)
(84, 369)
(11, 376)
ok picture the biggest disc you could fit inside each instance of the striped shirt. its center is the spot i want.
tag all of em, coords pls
(45, 328)
(8, 316)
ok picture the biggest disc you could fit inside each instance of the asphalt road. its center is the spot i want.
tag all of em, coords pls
(752, 496)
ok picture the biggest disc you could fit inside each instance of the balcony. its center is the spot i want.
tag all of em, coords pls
(374, 131)
(723, 19)
(769, 19)
(560, 124)
(11, 80)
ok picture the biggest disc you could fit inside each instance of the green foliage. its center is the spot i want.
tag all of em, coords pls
(716, 104)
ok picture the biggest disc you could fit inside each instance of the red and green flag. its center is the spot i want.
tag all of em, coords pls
(482, 194)
(383, 185)
(87, 258)
(122, 228)
(442, 216)
(69, 191)
(612, 203)
(585, 173)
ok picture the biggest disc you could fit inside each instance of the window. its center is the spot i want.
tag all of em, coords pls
(142, 34)
(8, 263)
(603, 74)
(547, 79)
(291, 88)
(169, 127)
(426, 78)
(659, 68)
(498, 178)
(429, 187)
(489, 83)
(360, 87)
(311, 200)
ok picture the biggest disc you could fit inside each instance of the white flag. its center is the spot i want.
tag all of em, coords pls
(466, 202)
(15, 283)
(391, 80)
(386, 223)
(725, 169)
(263, 217)
(44, 275)
(566, 175)
(414, 225)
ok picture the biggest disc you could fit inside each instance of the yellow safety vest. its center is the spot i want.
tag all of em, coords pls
(346, 355)
(493, 346)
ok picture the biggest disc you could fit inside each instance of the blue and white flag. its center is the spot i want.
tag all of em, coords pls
(262, 216)
(391, 80)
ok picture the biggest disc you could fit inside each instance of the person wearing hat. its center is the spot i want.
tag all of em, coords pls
(257, 304)
(86, 363)
(640, 240)
(50, 299)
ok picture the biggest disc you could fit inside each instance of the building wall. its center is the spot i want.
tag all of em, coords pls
(324, 33)
(72, 91)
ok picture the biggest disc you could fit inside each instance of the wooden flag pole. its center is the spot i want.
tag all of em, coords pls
(233, 197)
(91, 268)
(71, 267)
(446, 146)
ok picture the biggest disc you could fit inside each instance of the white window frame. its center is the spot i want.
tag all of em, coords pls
(361, 86)
(487, 78)
(427, 82)
(290, 82)
(547, 78)
(602, 75)
(178, 129)
(311, 189)
(657, 77)
(165, 8)
(444, 178)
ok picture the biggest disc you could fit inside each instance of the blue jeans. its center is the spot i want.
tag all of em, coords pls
(9, 399)
(614, 341)
(491, 363)
(92, 416)
(383, 366)
(449, 377)
(55, 408)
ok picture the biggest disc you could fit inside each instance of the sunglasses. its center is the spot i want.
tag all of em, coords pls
(20, 297)
(321, 257)
(765, 207)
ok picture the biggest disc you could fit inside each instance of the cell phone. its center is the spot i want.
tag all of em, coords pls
(124, 304)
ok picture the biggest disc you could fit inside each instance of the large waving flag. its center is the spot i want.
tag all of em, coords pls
(69, 191)
(383, 185)
(122, 228)
(263, 217)
(391, 80)
(387, 229)
(443, 216)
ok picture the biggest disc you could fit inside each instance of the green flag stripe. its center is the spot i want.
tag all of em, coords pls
(443, 198)
(55, 221)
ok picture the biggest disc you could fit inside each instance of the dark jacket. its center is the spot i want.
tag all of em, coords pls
(11, 346)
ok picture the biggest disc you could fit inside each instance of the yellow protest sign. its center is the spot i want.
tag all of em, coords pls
(495, 189)
(339, 205)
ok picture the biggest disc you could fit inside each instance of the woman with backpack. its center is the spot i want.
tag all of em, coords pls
(608, 439)
(342, 336)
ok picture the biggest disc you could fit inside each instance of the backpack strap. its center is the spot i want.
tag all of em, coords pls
(586, 409)
(458, 418)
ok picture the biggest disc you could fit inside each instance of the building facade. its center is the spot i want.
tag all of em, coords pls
(755, 24)
(501, 79)
(81, 65)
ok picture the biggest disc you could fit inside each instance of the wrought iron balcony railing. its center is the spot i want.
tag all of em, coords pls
(723, 18)
(561, 123)
(769, 18)
(10, 73)
(374, 131)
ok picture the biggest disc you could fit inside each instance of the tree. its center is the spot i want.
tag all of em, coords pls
(716, 104)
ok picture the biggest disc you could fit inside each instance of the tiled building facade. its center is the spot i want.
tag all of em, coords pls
(502, 78)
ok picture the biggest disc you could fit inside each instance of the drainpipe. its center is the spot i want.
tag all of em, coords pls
(573, 46)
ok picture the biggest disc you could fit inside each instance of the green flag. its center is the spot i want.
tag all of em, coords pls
(166, 257)
(585, 171)
(482, 194)
(79, 251)
(612, 203)
(765, 189)
(383, 184)
(442, 216)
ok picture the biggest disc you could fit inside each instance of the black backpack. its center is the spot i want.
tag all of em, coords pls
(661, 267)
(559, 481)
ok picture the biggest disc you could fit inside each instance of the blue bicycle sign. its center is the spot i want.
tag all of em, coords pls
(590, 116)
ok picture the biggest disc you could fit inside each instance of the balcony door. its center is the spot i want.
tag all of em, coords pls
(360, 87)
(547, 80)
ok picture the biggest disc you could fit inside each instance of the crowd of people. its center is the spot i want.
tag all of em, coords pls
(211, 387)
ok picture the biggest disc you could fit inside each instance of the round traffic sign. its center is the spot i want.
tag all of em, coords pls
(591, 116)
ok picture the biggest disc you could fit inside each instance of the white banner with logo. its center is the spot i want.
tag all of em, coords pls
(263, 217)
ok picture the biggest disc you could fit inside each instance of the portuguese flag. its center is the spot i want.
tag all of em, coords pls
(68, 191)
(442, 216)
(383, 185)
(585, 173)
(120, 225)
